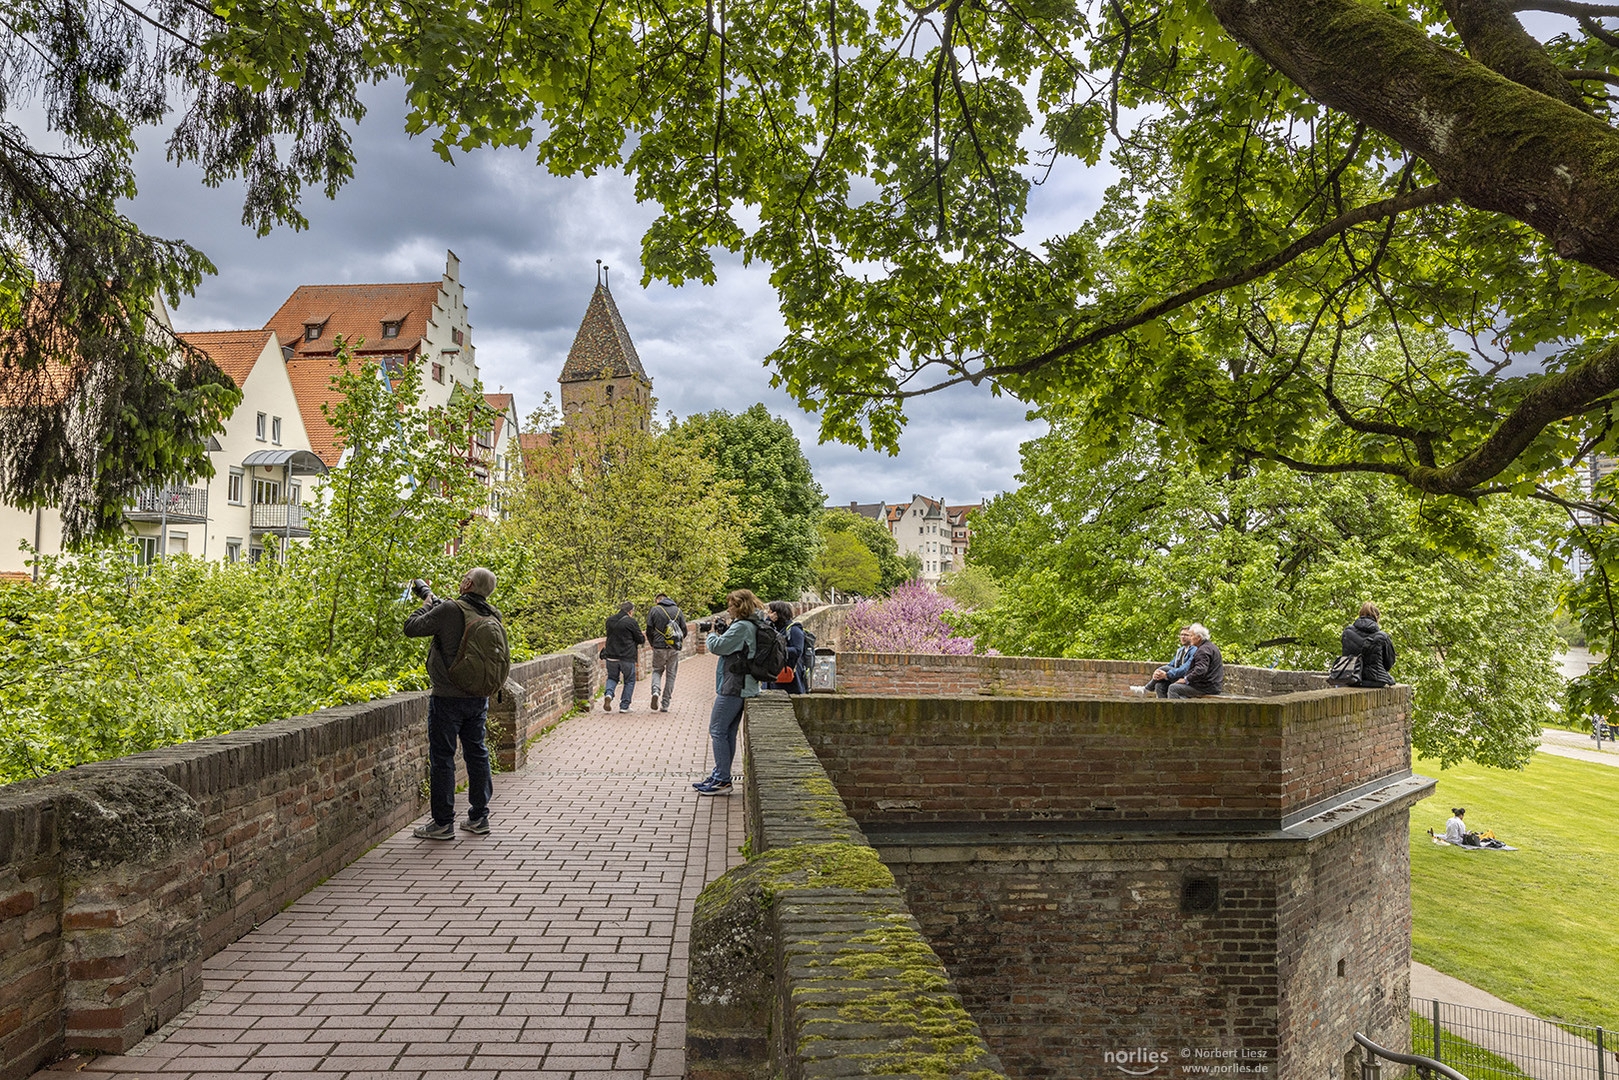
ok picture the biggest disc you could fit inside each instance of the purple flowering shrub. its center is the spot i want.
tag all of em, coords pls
(914, 619)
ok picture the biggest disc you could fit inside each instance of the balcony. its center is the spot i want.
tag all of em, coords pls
(175, 505)
(279, 519)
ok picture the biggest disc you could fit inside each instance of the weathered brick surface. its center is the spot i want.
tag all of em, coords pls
(118, 879)
(804, 962)
(1074, 944)
(1035, 676)
(970, 759)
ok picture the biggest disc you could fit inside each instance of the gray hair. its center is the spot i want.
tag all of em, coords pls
(481, 580)
(1199, 631)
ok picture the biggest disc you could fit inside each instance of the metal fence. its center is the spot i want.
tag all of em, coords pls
(1489, 1045)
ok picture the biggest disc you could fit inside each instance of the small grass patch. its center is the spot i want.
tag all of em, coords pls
(1538, 927)
(1475, 1062)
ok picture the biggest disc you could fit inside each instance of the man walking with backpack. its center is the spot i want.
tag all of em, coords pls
(666, 630)
(467, 660)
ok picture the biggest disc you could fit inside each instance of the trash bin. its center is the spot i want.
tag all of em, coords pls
(824, 672)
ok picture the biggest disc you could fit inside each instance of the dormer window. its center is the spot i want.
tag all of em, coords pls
(390, 329)
(314, 325)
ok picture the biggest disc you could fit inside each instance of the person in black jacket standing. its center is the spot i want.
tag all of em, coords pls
(452, 715)
(1366, 639)
(621, 651)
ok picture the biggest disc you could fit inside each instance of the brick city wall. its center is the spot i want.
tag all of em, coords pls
(804, 962)
(952, 759)
(1067, 951)
(1220, 881)
(117, 879)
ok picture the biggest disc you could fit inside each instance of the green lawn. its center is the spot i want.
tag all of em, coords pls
(1538, 927)
(1475, 1062)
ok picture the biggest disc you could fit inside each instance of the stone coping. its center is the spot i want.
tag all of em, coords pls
(805, 961)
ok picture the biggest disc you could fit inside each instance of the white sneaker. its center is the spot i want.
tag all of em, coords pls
(1142, 690)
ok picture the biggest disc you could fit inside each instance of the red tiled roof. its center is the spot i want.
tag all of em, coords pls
(354, 312)
(311, 380)
(235, 351)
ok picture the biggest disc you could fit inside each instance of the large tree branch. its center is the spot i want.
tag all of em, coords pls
(1316, 238)
(1495, 38)
(1498, 145)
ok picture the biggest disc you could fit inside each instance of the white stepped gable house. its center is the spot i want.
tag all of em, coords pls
(277, 445)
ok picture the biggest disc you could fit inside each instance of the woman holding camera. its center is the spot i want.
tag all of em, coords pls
(726, 639)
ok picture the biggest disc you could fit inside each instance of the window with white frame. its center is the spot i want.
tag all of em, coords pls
(234, 492)
(258, 426)
(275, 430)
(233, 549)
(145, 550)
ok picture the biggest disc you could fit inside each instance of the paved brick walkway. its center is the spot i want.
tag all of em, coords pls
(553, 948)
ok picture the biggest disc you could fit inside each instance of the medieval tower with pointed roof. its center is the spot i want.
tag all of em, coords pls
(603, 369)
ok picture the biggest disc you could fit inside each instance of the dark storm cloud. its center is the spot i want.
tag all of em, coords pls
(528, 244)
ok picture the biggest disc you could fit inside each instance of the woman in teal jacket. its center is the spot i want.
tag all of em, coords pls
(732, 687)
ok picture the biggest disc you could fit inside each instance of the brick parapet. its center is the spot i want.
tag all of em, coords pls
(119, 878)
(1037, 676)
(804, 962)
(1266, 761)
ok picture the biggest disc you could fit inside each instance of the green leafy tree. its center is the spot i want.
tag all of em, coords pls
(609, 512)
(778, 497)
(879, 157)
(845, 565)
(891, 569)
(972, 587)
(1108, 562)
(390, 511)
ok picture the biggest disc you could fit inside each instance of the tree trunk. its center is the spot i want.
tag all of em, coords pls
(1498, 145)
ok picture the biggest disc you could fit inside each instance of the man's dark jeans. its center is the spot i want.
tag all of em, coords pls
(449, 719)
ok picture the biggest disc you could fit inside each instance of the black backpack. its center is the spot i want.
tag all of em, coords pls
(484, 660)
(769, 654)
(807, 657)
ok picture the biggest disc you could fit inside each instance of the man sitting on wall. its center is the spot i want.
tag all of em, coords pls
(1206, 676)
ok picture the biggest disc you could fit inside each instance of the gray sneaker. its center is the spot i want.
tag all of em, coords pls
(478, 826)
(434, 831)
(654, 702)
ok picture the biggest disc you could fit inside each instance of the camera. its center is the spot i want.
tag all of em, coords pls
(717, 624)
(419, 587)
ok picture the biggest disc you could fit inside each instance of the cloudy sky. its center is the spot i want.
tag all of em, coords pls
(528, 244)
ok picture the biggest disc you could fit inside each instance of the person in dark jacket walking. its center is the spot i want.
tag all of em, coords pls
(1366, 639)
(452, 715)
(621, 651)
(666, 630)
(1206, 676)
